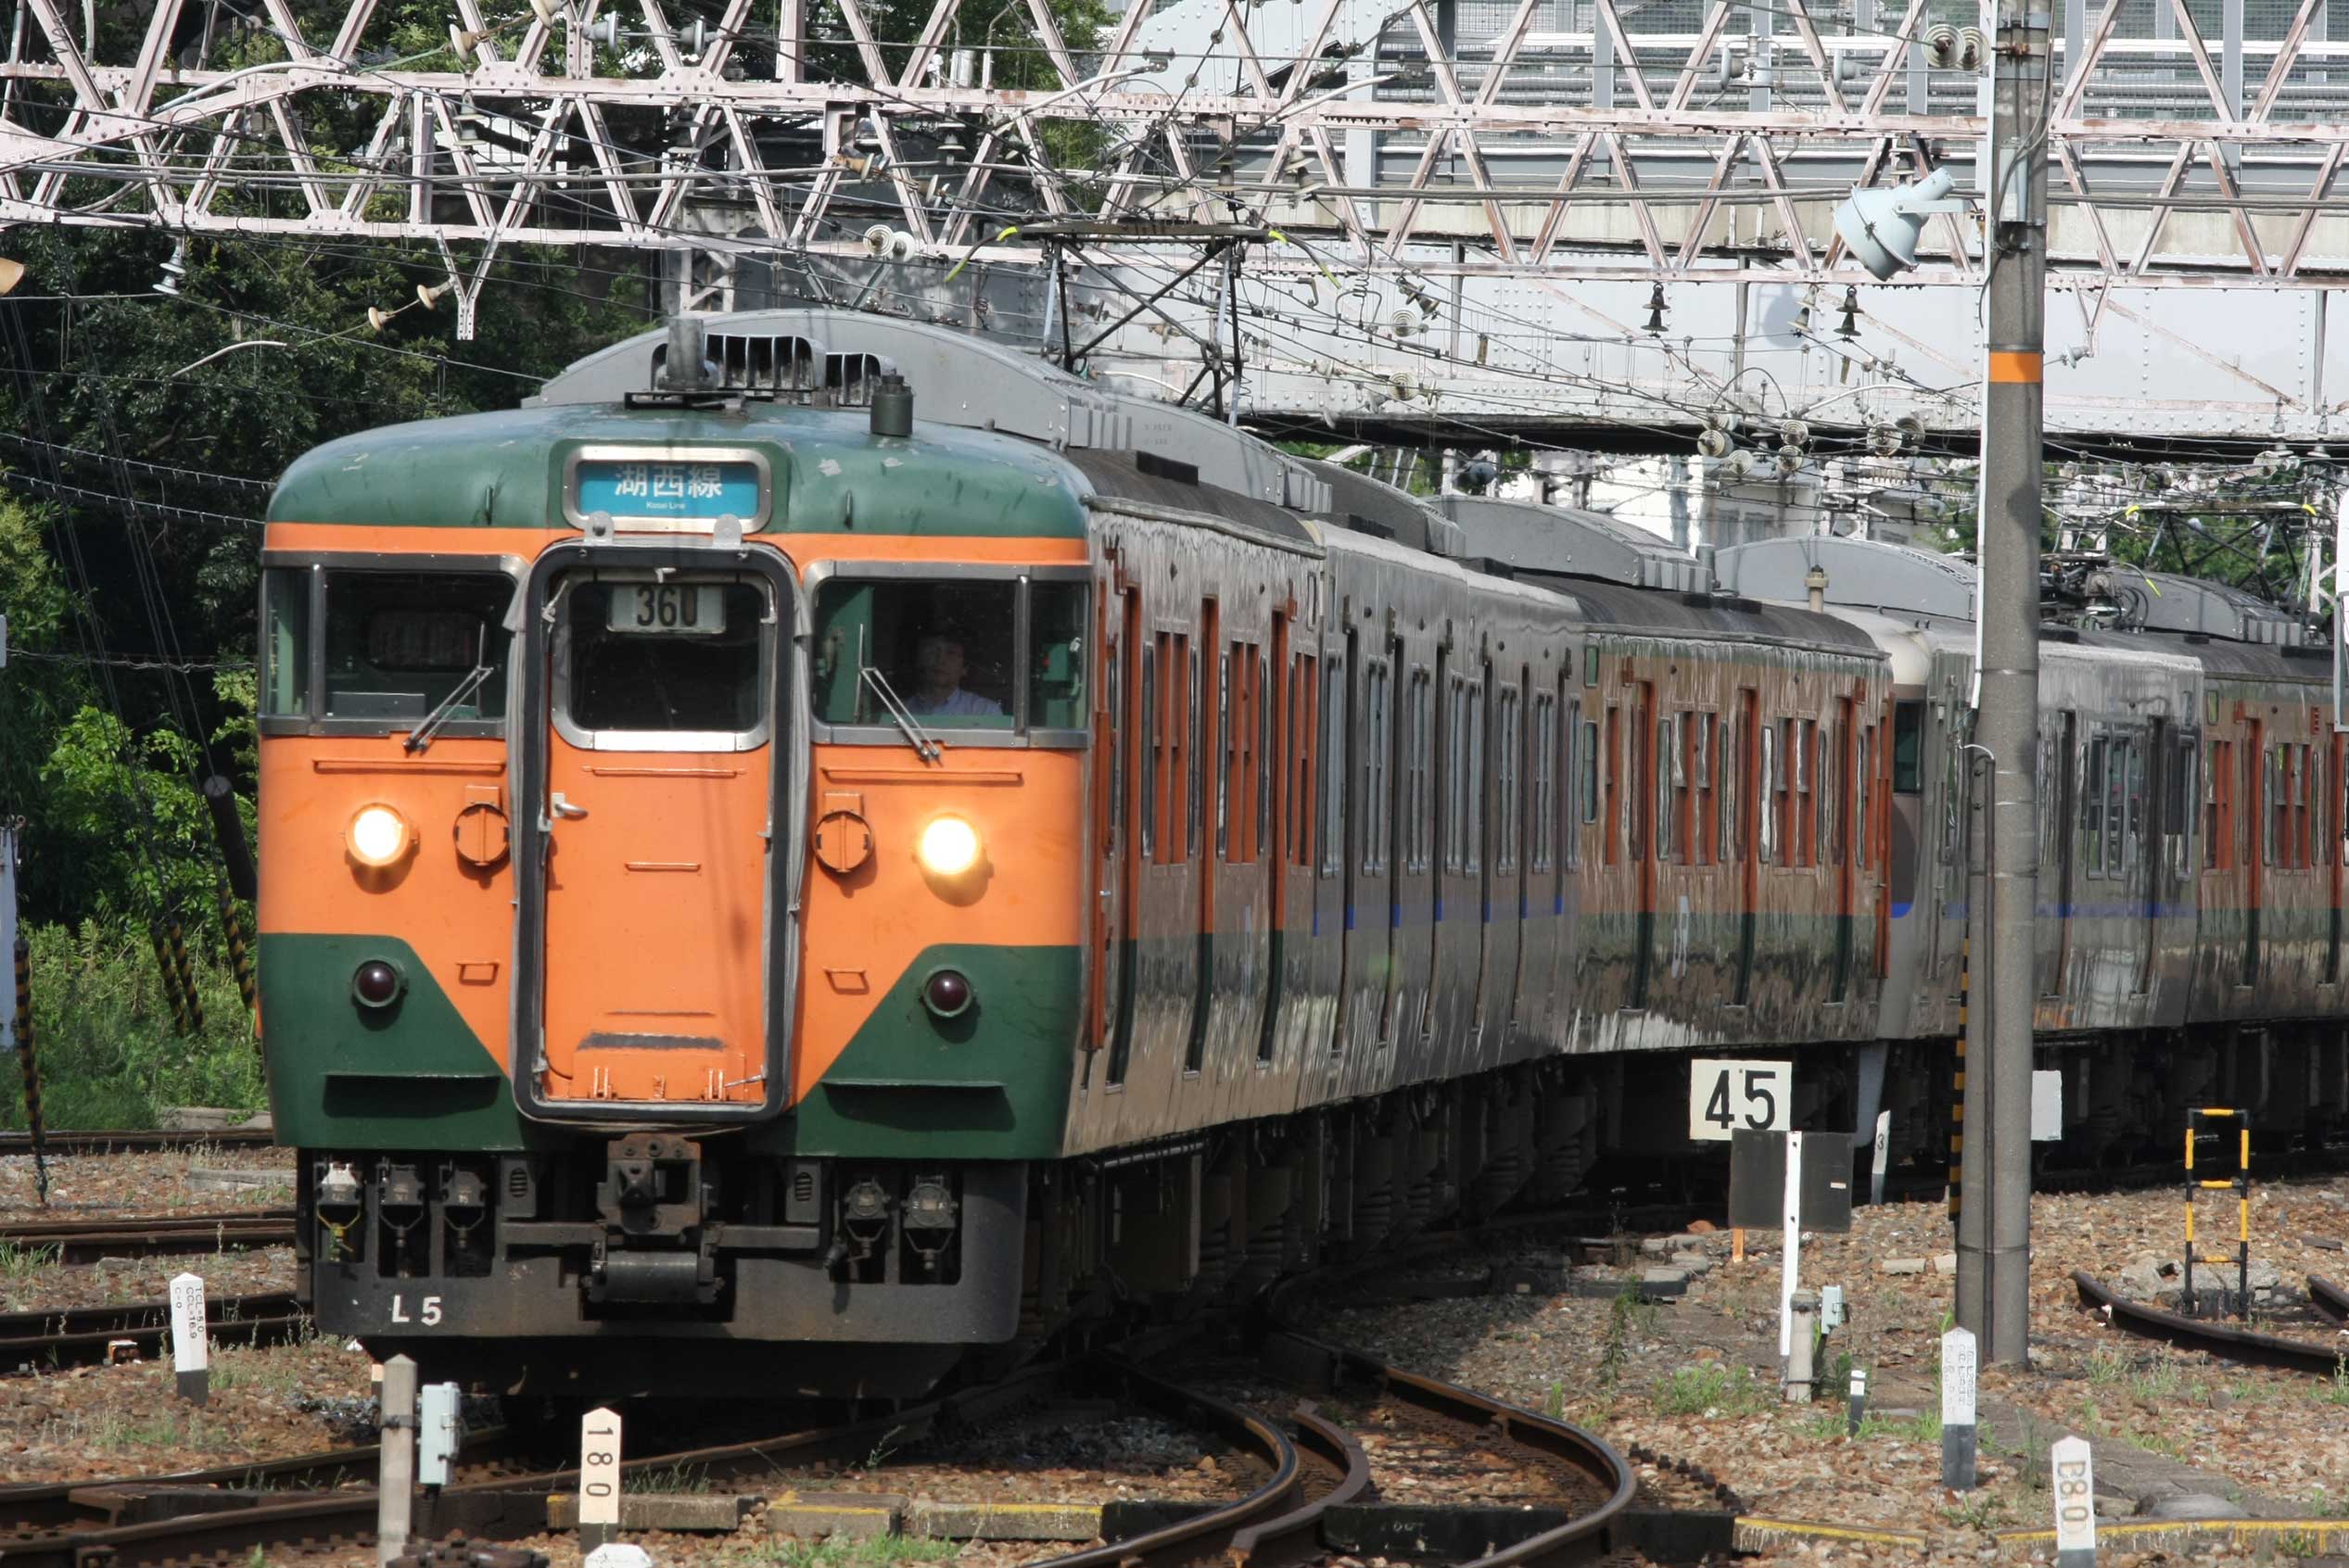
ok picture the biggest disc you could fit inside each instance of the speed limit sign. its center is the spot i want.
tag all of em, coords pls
(1728, 1096)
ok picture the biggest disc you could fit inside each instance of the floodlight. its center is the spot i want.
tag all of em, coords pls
(1880, 226)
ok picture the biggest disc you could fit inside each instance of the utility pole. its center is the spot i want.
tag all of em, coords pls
(1994, 1225)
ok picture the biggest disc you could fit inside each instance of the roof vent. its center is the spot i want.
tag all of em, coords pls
(1158, 467)
(893, 406)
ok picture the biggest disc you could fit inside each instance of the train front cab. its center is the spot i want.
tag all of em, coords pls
(581, 1044)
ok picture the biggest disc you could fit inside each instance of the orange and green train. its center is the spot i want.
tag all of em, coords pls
(761, 892)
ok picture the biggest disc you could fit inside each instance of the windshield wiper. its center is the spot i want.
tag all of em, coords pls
(421, 737)
(895, 706)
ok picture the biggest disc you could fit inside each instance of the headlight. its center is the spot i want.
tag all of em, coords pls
(949, 847)
(378, 836)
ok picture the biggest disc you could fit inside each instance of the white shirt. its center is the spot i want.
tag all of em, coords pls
(960, 704)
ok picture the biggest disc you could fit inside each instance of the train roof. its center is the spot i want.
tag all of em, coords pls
(820, 354)
(505, 470)
(1613, 607)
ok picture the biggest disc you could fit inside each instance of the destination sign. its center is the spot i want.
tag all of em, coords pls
(671, 490)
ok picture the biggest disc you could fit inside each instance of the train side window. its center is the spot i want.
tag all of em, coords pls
(2275, 824)
(1472, 786)
(1112, 719)
(1570, 750)
(1153, 751)
(1703, 820)
(1863, 760)
(1377, 732)
(1669, 782)
(1305, 729)
(285, 641)
(1055, 655)
(1224, 663)
(1456, 773)
(1506, 744)
(1610, 829)
(2212, 836)
(2132, 840)
(1171, 712)
(1538, 761)
(400, 644)
(1262, 766)
(1773, 793)
(1726, 760)
(1587, 762)
(1818, 834)
(1419, 824)
(2092, 809)
(2247, 812)
(1908, 748)
(1193, 744)
(1331, 827)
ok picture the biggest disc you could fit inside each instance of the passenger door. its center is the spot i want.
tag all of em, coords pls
(656, 946)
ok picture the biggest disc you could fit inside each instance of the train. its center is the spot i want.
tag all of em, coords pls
(822, 850)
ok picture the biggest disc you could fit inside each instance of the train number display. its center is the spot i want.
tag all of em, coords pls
(678, 609)
(1724, 1096)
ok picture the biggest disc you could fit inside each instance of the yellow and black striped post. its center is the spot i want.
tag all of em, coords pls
(1957, 1099)
(2240, 1182)
(171, 991)
(31, 1070)
(186, 971)
(240, 958)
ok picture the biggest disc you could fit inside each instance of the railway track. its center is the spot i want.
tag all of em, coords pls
(1313, 1503)
(84, 1336)
(2234, 1342)
(157, 1235)
(138, 1141)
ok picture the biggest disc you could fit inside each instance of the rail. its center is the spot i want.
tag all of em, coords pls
(2247, 1345)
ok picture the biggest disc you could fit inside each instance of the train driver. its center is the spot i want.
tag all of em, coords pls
(937, 683)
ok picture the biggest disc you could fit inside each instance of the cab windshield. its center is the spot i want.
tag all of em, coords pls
(970, 654)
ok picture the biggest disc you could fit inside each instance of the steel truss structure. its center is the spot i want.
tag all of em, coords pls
(1445, 164)
(2176, 161)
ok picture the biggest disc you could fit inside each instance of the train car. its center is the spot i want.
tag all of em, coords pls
(765, 894)
(814, 892)
(2186, 743)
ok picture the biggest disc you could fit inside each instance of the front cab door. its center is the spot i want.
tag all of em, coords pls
(655, 948)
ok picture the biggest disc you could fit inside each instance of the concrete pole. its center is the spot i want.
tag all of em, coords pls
(1994, 1229)
(396, 1484)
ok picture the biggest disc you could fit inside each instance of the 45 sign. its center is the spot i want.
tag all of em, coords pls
(1725, 1097)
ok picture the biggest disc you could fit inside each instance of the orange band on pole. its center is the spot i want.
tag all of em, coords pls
(2008, 366)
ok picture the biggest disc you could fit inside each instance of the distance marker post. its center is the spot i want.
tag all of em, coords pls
(1958, 1436)
(1855, 1402)
(191, 1341)
(1790, 1259)
(2074, 1504)
(396, 1475)
(599, 1478)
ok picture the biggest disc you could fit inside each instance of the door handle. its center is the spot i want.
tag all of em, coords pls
(561, 807)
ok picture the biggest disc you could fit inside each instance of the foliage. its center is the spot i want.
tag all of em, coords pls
(105, 1042)
(1713, 1388)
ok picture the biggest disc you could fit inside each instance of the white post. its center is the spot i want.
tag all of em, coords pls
(1877, 1159)
(1855, 1402)
(191, 1344)
(1802, 1365)
(2074, 1504)
(599, 1478)
(1958, 1437)
(395, 1487)
(1788, 1263)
